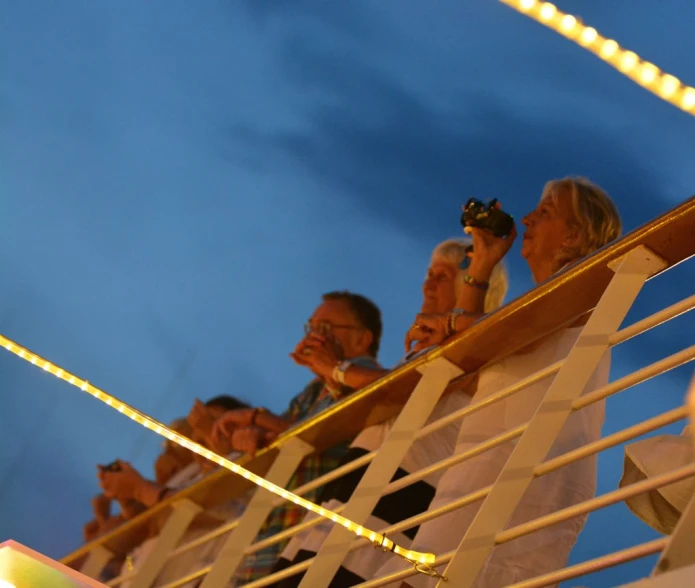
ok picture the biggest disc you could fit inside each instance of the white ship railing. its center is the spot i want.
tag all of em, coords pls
(602, 288)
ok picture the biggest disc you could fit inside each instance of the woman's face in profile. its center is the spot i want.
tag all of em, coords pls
(439, 288)
(547, 229)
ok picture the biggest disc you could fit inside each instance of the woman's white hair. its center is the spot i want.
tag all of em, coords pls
(594, 216)
(455, 251)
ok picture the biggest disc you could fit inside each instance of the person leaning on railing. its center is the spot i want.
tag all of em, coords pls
(175, 470)
(351, 326)
(168, 463)
(126, 483)
(444, 284)
(573, 219)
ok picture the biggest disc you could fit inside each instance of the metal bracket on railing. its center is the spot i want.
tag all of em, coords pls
(421, 568)
(649, 258)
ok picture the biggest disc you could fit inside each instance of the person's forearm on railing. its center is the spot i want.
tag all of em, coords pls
(358, 376)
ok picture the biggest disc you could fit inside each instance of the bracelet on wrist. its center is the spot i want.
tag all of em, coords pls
(471, 281)
(451, 320)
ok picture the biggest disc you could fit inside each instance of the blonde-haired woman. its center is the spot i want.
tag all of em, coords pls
(573, 218)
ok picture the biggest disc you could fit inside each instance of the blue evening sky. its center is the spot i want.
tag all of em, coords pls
(180, 181)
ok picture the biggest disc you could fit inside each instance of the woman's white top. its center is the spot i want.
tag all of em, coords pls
(541, 551)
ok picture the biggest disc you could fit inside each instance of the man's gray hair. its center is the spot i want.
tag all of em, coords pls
(454, 251)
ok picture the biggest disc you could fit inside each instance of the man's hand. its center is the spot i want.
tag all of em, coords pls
(200, 419)
(324, 353)
(249, 440)
(224, 427)
(122, 484)
(221, 444)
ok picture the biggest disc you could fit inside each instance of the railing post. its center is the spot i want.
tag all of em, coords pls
(95, 562)
(183, 512)
(436, 375)
(631, 271)
(679, 551)
(230, 556)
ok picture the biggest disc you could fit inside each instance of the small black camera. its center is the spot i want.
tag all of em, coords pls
(487, 216)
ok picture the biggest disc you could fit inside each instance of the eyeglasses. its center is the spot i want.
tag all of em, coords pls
(324, 328)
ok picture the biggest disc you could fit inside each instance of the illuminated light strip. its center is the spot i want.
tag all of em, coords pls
(644, 73)
(144, 420)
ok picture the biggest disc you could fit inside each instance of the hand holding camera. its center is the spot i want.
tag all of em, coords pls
(493, 232)
(487, 216)
(119, 480)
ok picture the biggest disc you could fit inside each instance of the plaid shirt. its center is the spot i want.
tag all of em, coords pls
(311, 401)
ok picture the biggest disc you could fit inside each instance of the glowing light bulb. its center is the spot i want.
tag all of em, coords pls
(548, 11)
(628, 61)
(568, 22)
(688, 99)
(609, 49)
(669, 85)
(588, 36)
(648, 73)
(527, 5)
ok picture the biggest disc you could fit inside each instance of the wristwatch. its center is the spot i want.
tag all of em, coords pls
(339, 370)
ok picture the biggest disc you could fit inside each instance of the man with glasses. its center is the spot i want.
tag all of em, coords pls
(349, 327)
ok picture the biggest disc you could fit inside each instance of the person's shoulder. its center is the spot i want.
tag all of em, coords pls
(365, 361)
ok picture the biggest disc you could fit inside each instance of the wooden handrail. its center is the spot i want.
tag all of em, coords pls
(551, 305)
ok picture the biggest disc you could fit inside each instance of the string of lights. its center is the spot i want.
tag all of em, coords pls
(644, 73)
(379, 540)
